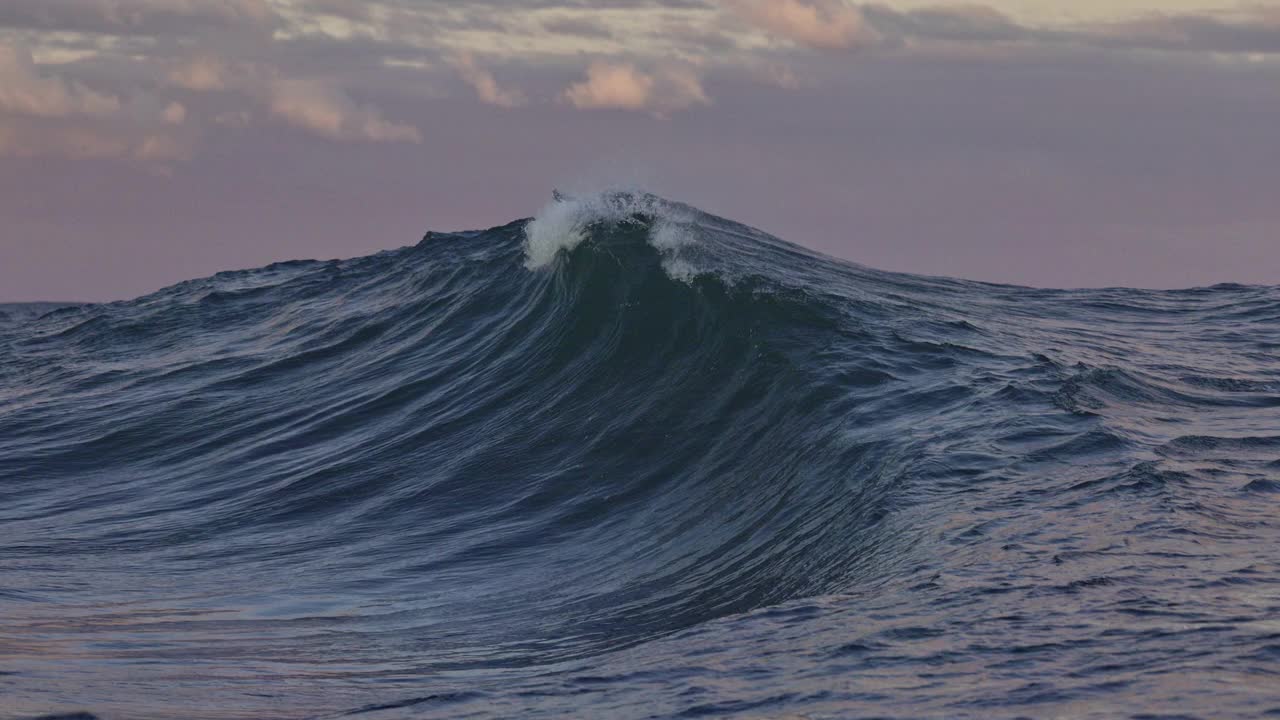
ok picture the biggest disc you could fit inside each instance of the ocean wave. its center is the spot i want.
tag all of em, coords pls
(582, 449)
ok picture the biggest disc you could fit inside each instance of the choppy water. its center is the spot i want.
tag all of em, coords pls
(634, 461)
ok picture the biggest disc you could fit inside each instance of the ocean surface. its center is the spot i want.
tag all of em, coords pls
(631, 460)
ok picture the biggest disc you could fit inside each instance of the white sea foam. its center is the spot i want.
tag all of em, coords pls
(564, 223)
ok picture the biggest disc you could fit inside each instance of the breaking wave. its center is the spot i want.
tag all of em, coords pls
(629, 459)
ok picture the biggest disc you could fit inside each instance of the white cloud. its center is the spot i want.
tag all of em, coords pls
(485, 85)
(24, 90)
(175, 113)
(357, 10)
(313, 104)
(610, 85)
(622, 86)
(681, 87)
(823, 24)
(138, 17)
(43, 113)
(326, 110)
(202, 72)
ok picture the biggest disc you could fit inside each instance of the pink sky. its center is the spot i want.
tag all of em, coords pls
(143, 142)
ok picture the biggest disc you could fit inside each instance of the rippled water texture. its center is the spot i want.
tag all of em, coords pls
(631, 460)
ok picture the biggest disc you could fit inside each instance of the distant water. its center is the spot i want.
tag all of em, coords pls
(630, 460)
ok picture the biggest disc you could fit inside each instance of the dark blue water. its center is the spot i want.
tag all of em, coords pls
(632, 461)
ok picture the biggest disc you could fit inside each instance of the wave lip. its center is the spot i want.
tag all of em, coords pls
(565, 222)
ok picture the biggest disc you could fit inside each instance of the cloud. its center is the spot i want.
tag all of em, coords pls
(611, 86)
(577, 26)
(976, 28)
(679, 88)
(974, 24)
(486, 87)
(357, 10)
(138, 17)
(202, 72)
(137, 63)
(822, 24)
(43, 114)
(25, 91)
(622, 86)
(233, 118)
(326, 110)
(779, 76)
(1254, 31)
(314, 104)
(175, 113)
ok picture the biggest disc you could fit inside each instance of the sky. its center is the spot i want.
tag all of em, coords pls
(1081, 144)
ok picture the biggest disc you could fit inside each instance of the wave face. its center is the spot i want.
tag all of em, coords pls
(628, 459)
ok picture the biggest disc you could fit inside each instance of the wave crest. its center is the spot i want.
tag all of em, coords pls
(565, 222)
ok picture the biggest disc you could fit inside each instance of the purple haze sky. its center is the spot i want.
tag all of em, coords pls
(1134, 142)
